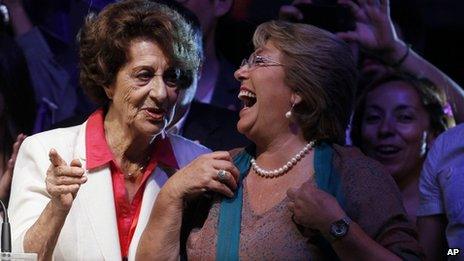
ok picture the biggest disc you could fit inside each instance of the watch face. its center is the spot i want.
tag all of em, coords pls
(339, 228)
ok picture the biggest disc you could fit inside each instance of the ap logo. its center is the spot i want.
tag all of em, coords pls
(453, 252)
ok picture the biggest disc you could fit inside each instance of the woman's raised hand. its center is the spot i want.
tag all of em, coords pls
(209, 172)
(374, 31)
(63, 181)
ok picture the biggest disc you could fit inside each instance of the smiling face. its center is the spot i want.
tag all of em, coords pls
(144, 92)
(395, 128)
(265, 96)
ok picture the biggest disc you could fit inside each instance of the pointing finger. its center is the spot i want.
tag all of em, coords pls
(55, 158)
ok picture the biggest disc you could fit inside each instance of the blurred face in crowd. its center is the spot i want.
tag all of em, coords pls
(265, 96)
(207, 12)
(144, 92)
(396, 128)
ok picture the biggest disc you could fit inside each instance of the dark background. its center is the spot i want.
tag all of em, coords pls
(434, 28)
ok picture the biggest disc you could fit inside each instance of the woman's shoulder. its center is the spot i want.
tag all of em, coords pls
(351, 158)
(55, 137)
(186, 150)
(59, 132)
(449, 141)
(363, 177)
(454, 132)
(186, 144)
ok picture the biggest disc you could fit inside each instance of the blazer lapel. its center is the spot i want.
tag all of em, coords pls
(98, 202)
(152, 188)
(96, 197)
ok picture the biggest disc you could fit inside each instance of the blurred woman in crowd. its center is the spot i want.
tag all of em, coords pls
(396, 121)
(300, 194)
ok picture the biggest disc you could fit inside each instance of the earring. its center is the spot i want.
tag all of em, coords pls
(288, 114)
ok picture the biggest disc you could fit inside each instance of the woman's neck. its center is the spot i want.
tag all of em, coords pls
(410, 196)
(409, 179)
(125, 145)
(410, 189)
(279, 150)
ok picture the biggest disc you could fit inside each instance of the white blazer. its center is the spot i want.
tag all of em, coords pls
(90, 231)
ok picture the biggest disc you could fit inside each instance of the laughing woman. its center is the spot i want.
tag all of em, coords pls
(300, 194)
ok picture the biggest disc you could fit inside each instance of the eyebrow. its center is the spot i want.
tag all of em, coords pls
(405, 107)
(400, 107)
(139, 68)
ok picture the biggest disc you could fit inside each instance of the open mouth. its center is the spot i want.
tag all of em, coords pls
(248, 98)
(155, 114)
(387, 150)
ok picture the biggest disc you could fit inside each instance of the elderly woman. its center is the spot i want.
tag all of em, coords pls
(299, 194)
(86, 192)
(396, 121)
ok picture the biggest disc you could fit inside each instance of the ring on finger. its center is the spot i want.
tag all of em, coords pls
(222, 175)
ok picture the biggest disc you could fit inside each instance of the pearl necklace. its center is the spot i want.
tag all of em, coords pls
(286, 167)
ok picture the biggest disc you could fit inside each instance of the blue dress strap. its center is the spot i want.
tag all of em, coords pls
(327, 177)
(230, 214)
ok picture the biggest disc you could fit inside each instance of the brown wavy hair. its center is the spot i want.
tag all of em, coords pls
(321, 69)
(104, 41)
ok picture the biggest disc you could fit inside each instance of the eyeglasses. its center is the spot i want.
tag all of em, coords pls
(257, 60)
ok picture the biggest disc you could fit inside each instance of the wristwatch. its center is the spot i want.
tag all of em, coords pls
(339, 228)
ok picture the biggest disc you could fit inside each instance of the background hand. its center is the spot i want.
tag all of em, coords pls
(63, 181)
(5, 181)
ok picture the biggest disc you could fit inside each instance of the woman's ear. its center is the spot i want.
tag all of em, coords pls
(109, 91)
